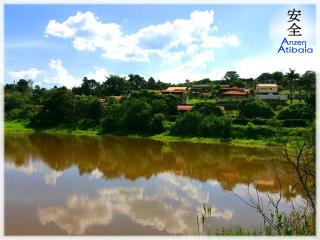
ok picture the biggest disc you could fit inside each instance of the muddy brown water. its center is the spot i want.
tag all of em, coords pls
(66, 184)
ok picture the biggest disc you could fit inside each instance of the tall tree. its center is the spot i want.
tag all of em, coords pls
(263, 77)
(89, 87)
(292, 76)
(231, 76)
(308, 82)
(151, 84)
(113, 86)
(137, 82)
(23, 86)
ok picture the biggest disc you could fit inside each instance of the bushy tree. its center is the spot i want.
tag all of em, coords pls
(255, 108)
(113, 118)
(88, 87)
(136, 82)
(138, 114)
(17, 107)
(24, 86)
(113, 86)
(151, 84)
(88, 111)
(208, 108)
(296, 111)
(231, 76)
(156, 123)
(159, 106)
(308, 83)
(213, 126)
(14, 100)
(188, 124)
(237, 83)
(58, 108)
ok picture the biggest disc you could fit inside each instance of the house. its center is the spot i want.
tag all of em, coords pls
(269, 91)
(234, 92)
(184, 107)
(201, 89)
(266, 88)
(175, 90)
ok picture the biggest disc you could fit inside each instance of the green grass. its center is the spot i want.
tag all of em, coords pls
(234, 142)
(13, 126)
(238, 231)
(198, 100)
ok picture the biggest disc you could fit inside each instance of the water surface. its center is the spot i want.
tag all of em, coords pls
(65, 184)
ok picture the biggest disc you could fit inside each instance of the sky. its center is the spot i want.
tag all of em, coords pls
(61, 44)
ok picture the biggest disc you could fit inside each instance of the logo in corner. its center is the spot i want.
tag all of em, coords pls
(294, 43)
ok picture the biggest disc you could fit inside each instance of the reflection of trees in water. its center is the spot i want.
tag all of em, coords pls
(134, 158)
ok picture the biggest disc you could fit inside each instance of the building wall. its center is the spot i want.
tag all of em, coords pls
(267, 89)
(271, 96)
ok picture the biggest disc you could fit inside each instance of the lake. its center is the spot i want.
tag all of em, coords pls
(59, 184)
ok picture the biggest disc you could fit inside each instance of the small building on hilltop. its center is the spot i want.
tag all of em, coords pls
(175, 90)
(269, 91)
(201, 89)
(266, 88)
(234, 92)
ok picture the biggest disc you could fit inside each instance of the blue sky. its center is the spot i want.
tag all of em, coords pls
(60, 44)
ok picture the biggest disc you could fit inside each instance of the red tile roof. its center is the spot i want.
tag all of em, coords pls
(234, 93)
(184, 107)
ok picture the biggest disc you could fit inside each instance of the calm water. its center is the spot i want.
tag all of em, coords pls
(57, 185)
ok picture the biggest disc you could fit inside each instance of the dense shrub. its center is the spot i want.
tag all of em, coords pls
(252, 131)
(213, 126)
(14, 100)
(58, 108)
(259, 121)
(296, 111)
(295, 123)
(113, 118)
(240, 120)
(255, 108)
(137, 115)
(208, 108)
(156, 123)
(89, 108)
(188, 124)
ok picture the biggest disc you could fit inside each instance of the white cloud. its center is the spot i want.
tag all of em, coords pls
(52, 177)
(79, 213)
(62, 75)
(88, 33)
(99, 75)
(57, 74)
(31, 73)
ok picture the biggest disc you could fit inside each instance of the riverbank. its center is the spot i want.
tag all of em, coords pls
(20, 127)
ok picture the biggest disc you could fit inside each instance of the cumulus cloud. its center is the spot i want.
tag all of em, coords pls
(99, 74)
(165, 208)
(62, 75)
(52, 177)
(173, 38)
(79, 213)
(31, 73)
(57, 74)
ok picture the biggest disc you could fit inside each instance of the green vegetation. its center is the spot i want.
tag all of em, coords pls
(138, 110)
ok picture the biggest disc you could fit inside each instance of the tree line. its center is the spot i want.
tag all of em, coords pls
(92, 105)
